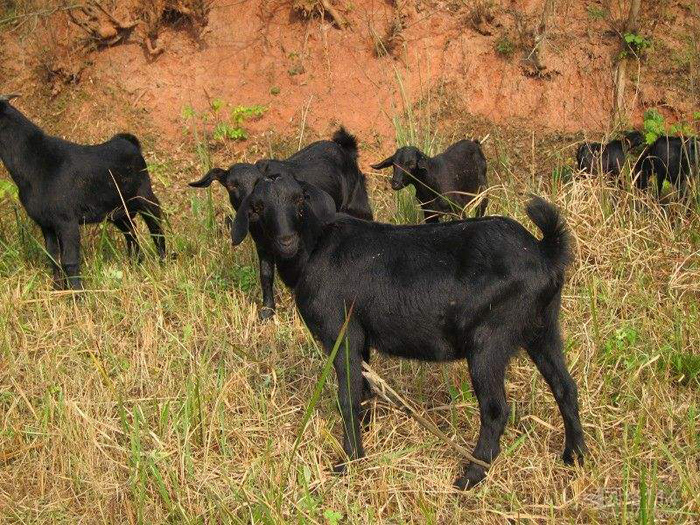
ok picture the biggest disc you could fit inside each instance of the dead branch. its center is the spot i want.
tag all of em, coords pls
(619, 113)
(387, 393)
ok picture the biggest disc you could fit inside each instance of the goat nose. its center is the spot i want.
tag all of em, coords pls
(286, 240)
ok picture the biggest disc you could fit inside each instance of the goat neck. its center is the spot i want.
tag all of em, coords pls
(21, 145)
(292, 269)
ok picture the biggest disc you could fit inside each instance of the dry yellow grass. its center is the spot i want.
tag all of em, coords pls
(159, 397)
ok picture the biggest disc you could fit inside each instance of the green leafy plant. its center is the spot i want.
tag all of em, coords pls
(332, 517)
(635, 45)
(225, 128)
(655, 126)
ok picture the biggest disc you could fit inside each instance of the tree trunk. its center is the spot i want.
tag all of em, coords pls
(619, 110)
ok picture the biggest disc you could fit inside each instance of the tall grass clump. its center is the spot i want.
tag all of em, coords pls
(157, 396)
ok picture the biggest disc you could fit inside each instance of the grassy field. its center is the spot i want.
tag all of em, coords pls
(157, 396)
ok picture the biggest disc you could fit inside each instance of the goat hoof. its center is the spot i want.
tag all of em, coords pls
(471, 477)
(572, 457)
(266, 313)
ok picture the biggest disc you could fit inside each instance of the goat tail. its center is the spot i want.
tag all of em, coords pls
(129, 138)
(556, 239)
(346, 141)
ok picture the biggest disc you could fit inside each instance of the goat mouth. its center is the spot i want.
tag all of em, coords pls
(396, 185)
(287, 250)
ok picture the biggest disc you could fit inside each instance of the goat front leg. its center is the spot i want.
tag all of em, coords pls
(53, 250)
(267, 280)
(348, 369)
(487, 368)
(69, 237)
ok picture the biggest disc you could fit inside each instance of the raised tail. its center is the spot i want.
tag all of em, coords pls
(556, 239)
(346, 141)
(130, 138)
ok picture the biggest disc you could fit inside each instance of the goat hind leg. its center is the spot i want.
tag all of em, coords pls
(547, 354)
(487, 367)
(126, 226)
(149, 208)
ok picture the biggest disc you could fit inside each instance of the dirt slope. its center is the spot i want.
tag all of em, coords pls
(253, 48)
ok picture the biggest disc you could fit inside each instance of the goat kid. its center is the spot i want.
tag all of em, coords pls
(330, 165)
(63, 185)
(476, 289)
(449, 180)
(596, 157)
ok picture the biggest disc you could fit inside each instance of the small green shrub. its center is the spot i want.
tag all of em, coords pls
(635, 45)
(655, 126)
(505, 46)
(231, 128)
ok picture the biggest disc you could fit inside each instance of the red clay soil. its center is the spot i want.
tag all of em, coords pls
(254, 48)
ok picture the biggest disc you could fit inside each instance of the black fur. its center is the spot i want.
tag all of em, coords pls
(63, 185)
(608, 159)
(674, 159)
(476, 289)
(327, 164)
(458, 174)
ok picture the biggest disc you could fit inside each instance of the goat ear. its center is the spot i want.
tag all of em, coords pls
(204, 182)
(319, 202)
(263, 166)
(383, 164)
(239, 229)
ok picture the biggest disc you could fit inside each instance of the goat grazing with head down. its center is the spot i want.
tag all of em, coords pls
(449, 180)
(330, 165)
(63, 185)
(476, 289)
(676, 159)
(608, 159)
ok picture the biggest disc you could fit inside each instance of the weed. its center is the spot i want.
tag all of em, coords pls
(224, 128)
(596, 12)
(505, 46)
(635, 45)
(655, 126)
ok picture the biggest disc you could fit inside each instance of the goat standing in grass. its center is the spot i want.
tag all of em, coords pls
(676, 159)
(330, 165)
(476, 289)
(63, 185)
(608, 159)
(444, 183)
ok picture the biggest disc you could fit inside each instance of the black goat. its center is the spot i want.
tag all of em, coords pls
(63, 185)
(475, 289)
(670, 158)
(449, 180)
(330, 165)
(608, 159)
